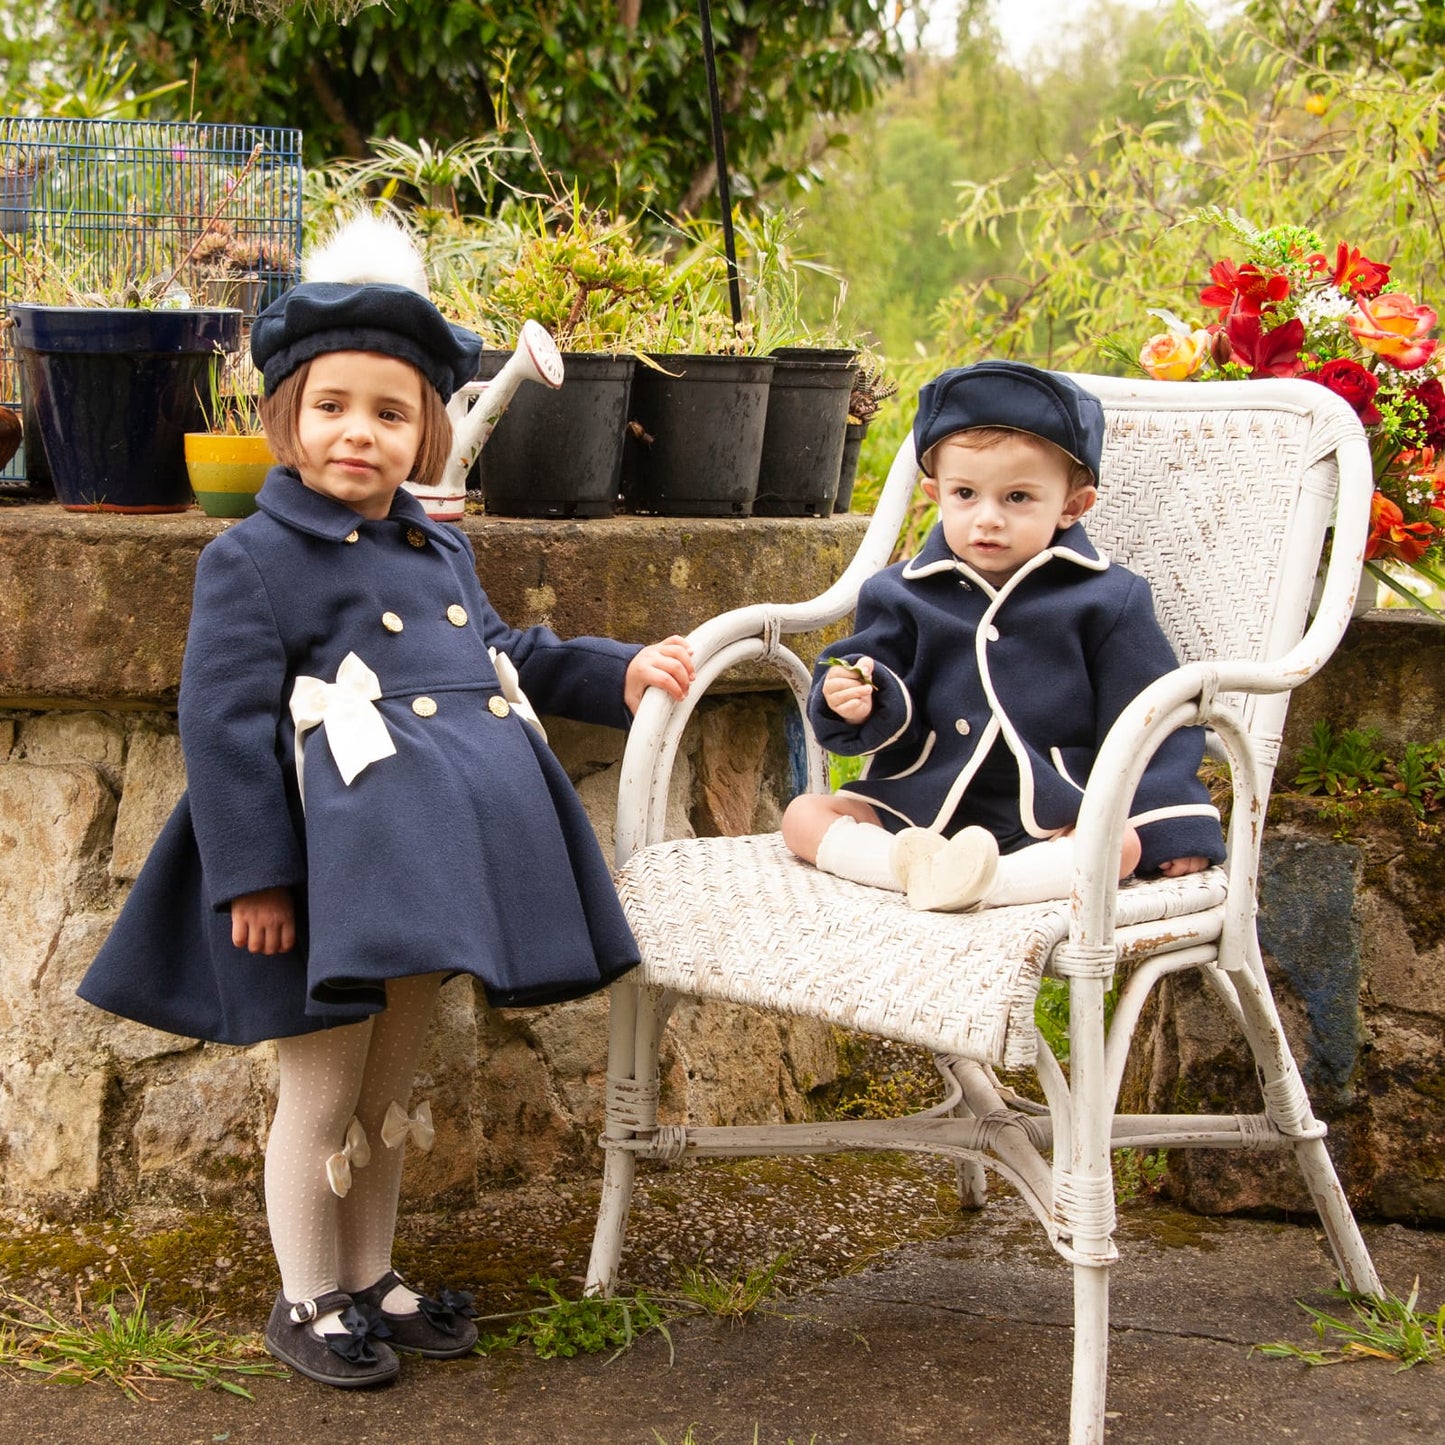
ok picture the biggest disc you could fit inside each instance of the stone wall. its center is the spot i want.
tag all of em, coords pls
(96, 1112)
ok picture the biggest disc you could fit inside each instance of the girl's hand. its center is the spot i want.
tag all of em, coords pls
(849, 690)
(264, 922)
(666, 664)
(1178, 867)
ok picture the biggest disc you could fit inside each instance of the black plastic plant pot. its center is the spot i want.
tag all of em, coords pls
(802, 456)
(113, 393)
(696, 435)
(848, 471)
(558, 453)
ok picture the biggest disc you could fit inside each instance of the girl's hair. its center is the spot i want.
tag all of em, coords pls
(281, 417)
(983, 437)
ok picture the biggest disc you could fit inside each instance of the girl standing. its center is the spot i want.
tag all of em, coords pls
(367, 810)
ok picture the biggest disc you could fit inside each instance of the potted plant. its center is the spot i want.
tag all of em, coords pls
(115, 356)
(19, 171)
(228, 462)
(870, 390)
(590, 283)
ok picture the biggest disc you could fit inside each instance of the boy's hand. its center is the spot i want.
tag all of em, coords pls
(1178, 867)
(848, 689)
(666, 664)
(264, 922)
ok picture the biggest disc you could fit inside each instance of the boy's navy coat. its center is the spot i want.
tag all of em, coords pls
(467, 850)
(1041, 666)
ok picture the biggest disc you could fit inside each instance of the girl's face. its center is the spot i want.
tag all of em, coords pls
(359, 428)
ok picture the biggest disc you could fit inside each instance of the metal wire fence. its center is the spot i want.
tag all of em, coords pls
(142, 212)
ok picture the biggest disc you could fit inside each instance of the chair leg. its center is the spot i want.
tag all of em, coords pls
(624, 1059)
(1091, 1354)
(1347, 1244)
(1288, 1105)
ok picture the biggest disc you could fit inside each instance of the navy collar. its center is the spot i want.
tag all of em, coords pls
(1071, 544)
(284, 497)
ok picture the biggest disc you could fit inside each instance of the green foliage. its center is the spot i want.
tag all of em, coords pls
(731, 1297)
(621, 107)
(1401, 35)
(1351, 766)
(1111, 231)
(126, 1347)
(1376, 1329)
(567, 1327)
(1138, 1173)
(952, 123)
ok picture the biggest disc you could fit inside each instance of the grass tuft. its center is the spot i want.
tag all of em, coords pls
(1379, 1329)
(126, 1347)
(731, 1297)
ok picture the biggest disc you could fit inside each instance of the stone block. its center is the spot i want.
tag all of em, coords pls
(71, 737)
(201, 1130)
(55, 824)
(448, 1079)
(155, 778)
(50, 1130)
(91, 1033)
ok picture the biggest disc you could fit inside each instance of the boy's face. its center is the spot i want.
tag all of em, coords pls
(1001, 504)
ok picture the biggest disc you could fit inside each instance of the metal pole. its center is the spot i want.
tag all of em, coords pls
(719, 147)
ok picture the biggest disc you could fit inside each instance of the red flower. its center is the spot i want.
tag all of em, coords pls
(1350, 380)
(1431, 395)
(1266, 353)
(1243, 290)
(1392, 537)
(1353, 273)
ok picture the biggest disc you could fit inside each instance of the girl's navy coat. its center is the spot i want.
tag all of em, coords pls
(467, 850)
(1041, 667)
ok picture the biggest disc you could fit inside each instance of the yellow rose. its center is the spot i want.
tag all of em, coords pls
(1174, 355)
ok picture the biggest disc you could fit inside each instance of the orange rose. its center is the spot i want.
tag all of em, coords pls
(1395, 329)
(1174, 355)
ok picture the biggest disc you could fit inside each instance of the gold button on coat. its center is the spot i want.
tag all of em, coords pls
(391, 622)
(498, 706)
(352, 536)
(424, 706)
(416, 536)
(457, 615)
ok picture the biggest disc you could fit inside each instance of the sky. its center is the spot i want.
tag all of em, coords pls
(1025, 25)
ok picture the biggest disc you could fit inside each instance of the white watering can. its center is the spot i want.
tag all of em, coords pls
(474, 410)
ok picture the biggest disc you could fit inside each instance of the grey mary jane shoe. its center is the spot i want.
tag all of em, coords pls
(440, 1329)
(349, 1361)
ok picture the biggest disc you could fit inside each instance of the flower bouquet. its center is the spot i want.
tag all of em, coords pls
(1293, 309)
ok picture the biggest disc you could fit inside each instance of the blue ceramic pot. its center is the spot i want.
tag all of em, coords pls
(113, 392)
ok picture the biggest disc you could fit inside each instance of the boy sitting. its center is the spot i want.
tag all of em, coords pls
(985, 672)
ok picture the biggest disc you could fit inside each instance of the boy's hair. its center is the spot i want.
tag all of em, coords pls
(982, 437)
(281, 419)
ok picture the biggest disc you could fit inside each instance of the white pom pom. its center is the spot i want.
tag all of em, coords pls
(368, 248)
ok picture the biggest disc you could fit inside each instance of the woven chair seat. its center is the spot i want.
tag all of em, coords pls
(742, 919)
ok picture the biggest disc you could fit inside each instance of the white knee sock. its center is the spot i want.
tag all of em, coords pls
(366, 1218)
(859, 852)
(1039, 873)
(320, 1080)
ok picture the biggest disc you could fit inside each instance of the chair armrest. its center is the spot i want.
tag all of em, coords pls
(746, 634)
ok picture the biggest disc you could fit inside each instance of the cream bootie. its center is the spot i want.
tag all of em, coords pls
(945, 875)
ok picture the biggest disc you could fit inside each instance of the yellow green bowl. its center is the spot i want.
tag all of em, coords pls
(227, 471)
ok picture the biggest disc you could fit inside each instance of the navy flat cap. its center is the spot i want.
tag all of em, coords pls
(1010, 394)
(321, 316)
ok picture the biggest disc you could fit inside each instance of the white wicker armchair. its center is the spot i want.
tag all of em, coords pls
(1221, 495)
